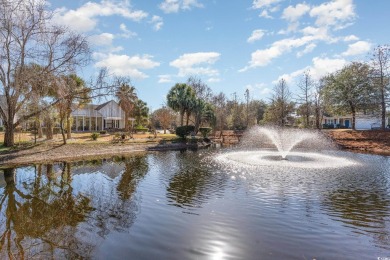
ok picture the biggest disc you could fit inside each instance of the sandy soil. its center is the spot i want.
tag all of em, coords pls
(369, 141)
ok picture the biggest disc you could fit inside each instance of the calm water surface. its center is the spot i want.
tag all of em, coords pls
(182, 205)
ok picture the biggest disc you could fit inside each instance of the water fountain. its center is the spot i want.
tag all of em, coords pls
(294, 148)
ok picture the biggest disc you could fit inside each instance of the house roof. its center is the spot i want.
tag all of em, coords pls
(102, 105)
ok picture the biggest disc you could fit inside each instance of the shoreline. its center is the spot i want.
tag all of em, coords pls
(366, 142)
(52, 153)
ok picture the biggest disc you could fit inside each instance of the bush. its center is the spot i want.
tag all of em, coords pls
(1, 128)
(141, 129)
(193, 139)
(183, 131)
(95, 136)
(103, 132)
(327, 126)
(205, 131)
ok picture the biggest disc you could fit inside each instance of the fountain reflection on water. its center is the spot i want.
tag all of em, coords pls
(257, 148)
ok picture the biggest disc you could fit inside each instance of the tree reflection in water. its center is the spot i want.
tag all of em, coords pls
(42, 215)
(191, 183)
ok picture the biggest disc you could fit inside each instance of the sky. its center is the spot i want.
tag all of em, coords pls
(232, 45)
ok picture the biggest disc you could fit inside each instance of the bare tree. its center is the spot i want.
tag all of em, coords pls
(27, 35)
(219, 102)
(305, 96)
(381, 73)
(281, 106)
(165, 116)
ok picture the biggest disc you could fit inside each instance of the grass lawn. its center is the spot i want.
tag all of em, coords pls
(81, 138)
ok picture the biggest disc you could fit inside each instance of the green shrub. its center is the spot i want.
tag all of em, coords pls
(205, 131)
(95, 136)
(103, 132)
(1, 128)
(193, 139)
(183, 131)
(140, 128)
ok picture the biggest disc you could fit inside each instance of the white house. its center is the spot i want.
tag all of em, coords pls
(91, 117)
(361, 121)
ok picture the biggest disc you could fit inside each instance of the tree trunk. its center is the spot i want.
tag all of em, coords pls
(9, 135)
(62, 130)
(68, 127)
(39, 128)
(49, 129)
(353, 119)
(181, 117)
(165, 130)
(383, 108)
(126, 121)
(318, 125)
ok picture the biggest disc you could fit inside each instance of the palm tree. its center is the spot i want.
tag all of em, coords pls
(180, 98)
(140, 112)
(127, 97)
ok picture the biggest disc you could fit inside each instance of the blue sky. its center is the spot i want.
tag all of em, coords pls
(231, 45)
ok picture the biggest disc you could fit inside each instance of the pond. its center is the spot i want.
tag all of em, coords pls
(184, 205)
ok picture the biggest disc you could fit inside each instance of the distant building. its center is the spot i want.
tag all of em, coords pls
(362, 121)
(92, 117)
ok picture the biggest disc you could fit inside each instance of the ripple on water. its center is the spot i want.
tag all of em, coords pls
(263, 158)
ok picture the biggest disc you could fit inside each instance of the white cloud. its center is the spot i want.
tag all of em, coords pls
(157, 22)
(126, 33)
(123, 65)
(165, 78)
(84, 18)
(320, 67)
(174, 6)
(259, 88)
(265, 14)
(337, 13)
(351, 38)
(309, 48)
(258, 4)
(256, 35)
(103, 39)
(263, 57)
(196, 63)
(293, 14)
(357, 48)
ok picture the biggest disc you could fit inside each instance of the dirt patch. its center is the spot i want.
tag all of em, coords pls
(367, 141)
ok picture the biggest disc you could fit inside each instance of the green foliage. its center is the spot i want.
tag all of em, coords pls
(95, 136)
(181, 99)
(327, 126)
(103, 132)
(140, 128)
(183, 131)
(205, 131)
(1, 128)
(140, 112)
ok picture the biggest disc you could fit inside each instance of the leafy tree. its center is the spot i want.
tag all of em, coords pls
(28, 35)
(140, 111)
(127, 98)
(72, 92)
(349, 90)
(180, 98)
